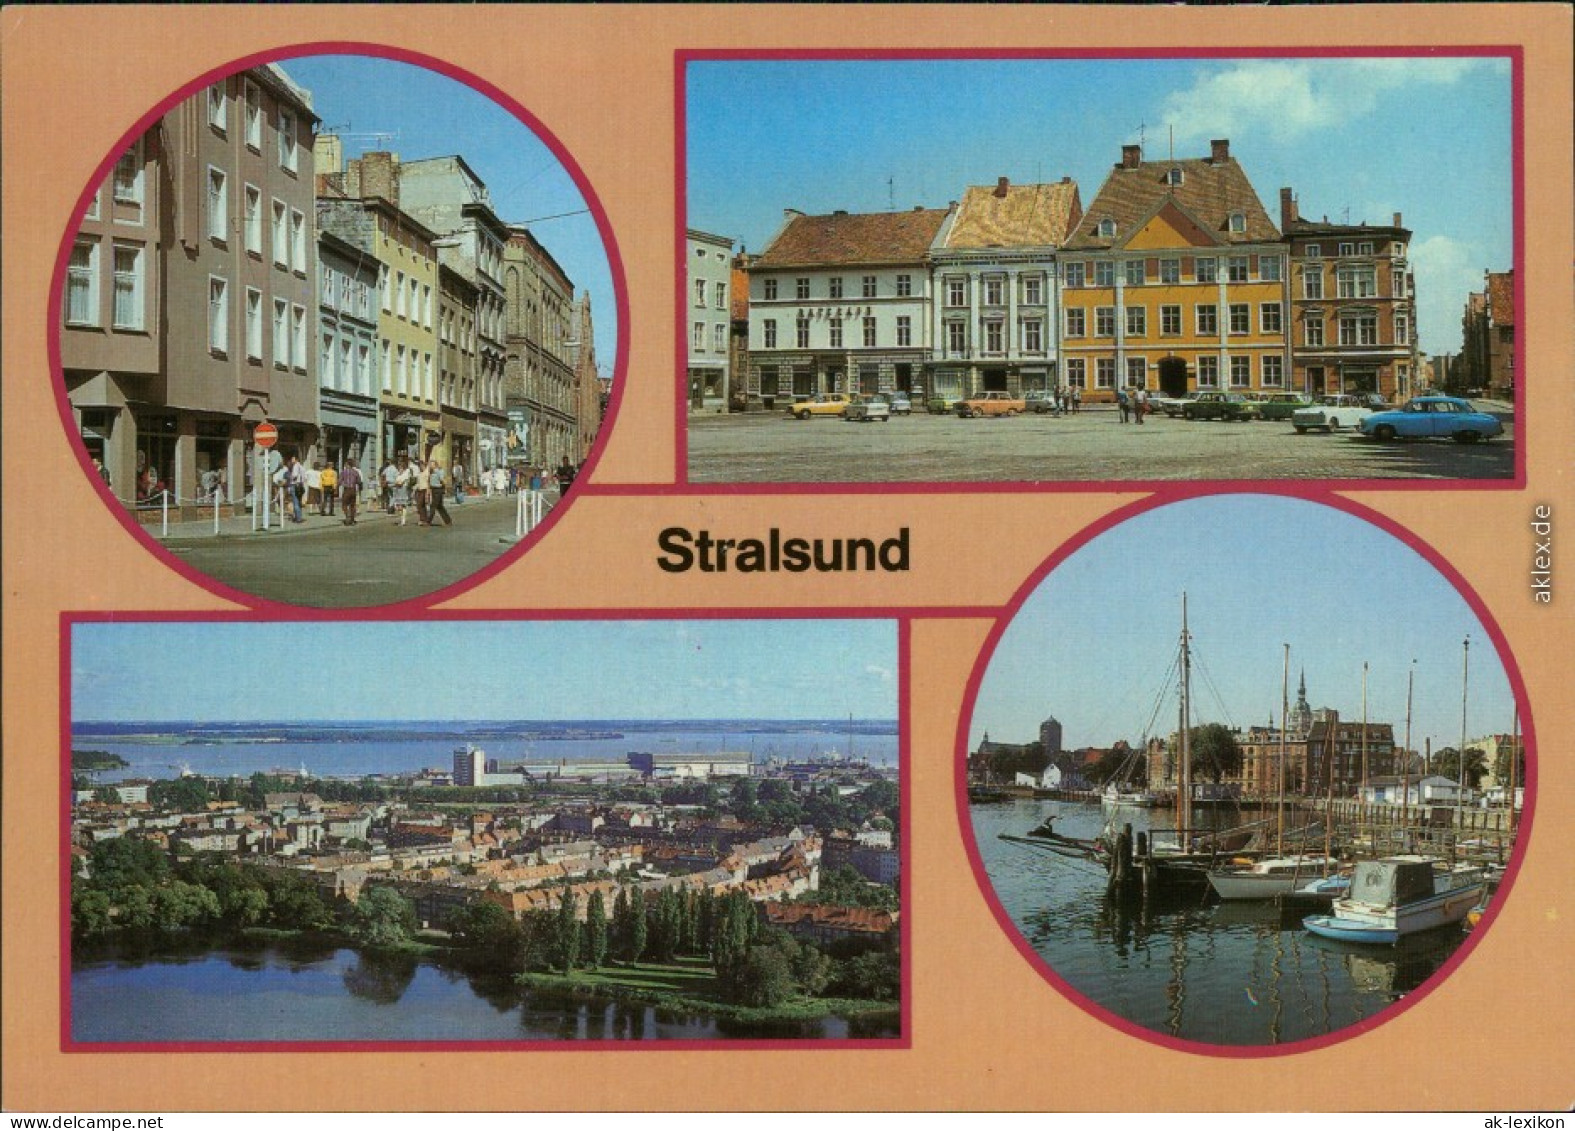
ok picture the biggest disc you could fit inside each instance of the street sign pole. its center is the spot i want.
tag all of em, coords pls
(265, 436)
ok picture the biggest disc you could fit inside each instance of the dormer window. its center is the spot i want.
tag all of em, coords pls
(1107, 228)
(1238, 222)
(1173, 176)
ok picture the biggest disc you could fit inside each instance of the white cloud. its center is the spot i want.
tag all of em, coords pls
(882, 675)
(1446, 271)
(1286, 99)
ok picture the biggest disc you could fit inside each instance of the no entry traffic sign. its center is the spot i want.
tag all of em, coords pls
(266, 435)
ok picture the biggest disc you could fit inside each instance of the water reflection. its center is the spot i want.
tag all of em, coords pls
(380, 978)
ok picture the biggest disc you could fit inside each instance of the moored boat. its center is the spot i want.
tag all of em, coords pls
(1399, 896)
(1267, 878)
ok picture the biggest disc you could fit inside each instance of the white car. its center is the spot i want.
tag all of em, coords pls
(1343, 410)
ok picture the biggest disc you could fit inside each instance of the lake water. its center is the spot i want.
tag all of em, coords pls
(1217, 973)
(328, 994)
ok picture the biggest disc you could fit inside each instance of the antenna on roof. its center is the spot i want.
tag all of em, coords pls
(891, 194)
(1142, 134)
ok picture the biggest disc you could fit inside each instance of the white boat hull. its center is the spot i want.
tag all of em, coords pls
(1355, 921)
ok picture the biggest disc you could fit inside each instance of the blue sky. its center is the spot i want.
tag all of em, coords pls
(435, 116)
(1357, 139)
(477, 670)
(1094, 643)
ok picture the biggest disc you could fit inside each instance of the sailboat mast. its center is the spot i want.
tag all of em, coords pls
(1184, 802)
(1514, 767)
(1460, 754)
(1405, 758)
(1285, 707)
(1362, 795)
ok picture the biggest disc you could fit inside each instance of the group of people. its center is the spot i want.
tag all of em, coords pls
(1066, 399)
(1133, 404)
(422, 484)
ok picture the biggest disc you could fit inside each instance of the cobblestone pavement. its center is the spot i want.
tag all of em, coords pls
(1091, 445)
(325, 564)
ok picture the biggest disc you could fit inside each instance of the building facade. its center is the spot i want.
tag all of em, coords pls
(587, 383)
(457, 368)
(1353, 306)
(996, 286)
(541, 354)
(1174, 280)
(709, 277)
(348, 360)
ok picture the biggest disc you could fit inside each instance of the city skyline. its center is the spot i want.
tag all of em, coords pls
(476, 671)
(432, 115)
(1094, 644)
(862, 135)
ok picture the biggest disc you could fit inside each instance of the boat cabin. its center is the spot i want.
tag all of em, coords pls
(1392, 882)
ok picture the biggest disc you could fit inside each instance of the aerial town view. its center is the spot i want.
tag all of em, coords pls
(345, 297)
(657, 847)
(1233, 254)
(1223, 818)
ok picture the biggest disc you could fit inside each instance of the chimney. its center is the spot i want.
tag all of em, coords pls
(1288, 213)
(1000, 188)
(380, 176)
(1219, 151)
(1131, 156)
(1398, 224)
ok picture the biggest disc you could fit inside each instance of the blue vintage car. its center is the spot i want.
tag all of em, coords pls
(1433, 416)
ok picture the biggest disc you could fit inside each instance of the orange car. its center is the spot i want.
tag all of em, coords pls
(991, 404)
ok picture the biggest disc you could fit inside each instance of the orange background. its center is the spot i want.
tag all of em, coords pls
(987, 1032)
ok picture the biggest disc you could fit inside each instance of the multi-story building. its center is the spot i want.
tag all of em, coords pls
(1489, 342)
(995, 287)
(738, 332)
(446, 194)
(709, 272)
(587, 386)
(457, 367)
(1353, 306)
(1340, 748)
(189, 294)
(841, 303)
(348, 361)
(540, 353)
(1174, 279)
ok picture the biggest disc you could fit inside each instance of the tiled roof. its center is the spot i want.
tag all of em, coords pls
(1501, 297)
(1007, 215)
(863, 919)
(1209, 192)
(853, 237)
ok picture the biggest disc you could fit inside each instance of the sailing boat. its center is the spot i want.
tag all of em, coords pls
(1121, 793)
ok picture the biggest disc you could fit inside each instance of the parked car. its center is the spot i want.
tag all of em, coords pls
(1172, 406)
(1039, 401)
(1282, 406)
(900, 404)
(942, 403)
(821, 404)
(1219, 406)
(1433, 416)
(1331, 413)
(876, 407)
(990, 404)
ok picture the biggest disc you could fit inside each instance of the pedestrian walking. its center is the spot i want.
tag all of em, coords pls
(1077, 399)
(423, 484)
(458, 476)
(565, 477)
(385, 482)
(436, 484)
(350, 492)
(404, 478)
(314, 485)
(1123, 404)
(1139, 405)
(295, 488)
(328, 485)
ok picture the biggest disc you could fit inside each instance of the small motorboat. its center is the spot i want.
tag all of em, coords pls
(1399, 896)
(1269, 877)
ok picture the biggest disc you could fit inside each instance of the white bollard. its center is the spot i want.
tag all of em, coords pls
(215, 512)
(164, 503)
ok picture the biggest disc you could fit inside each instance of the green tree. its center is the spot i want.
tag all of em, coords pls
(568, 934)
(873, 976)
(1501, 766)
(383, 917)
(1447, 763)
(107, 794)
(90, 912)
(486, 927)
(844, 887)
(1215, 751)
(180, 906)
(596, 931)
(763, 978)
(184, 795)
(128, 861)
(639, 929)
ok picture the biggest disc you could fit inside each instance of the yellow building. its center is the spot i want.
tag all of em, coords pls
(1173, 281)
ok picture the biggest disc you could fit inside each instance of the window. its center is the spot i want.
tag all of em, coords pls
(1137, 322)
(253, 324)
(1312, 331)
(363, 370)
(957, 338)
(1347, 249)
(835, 330)
(1137, 373)
(1273, 370)
(904, 330)
(1240, 318)
(1402, 330)
(1105, 373)
(1075, 369)
(699, 292)
(426, 306)
(1076, 322)
(401, 373)
(1207, 269)
(1313, 250)
(218, 314)
(770, 289)
(1170, 320)
(1271, 318)
(1136, 272)
(769, 333)
(697, 337)
(1104, 273)
(1269, 268)
(329, 290)
(298, 337)
(399, 294)
(253, 118)
(218, 205)
(1357, 282)
(1208, 372)
(834, 286)
(994, 339)
(1238, 222)
(82, 284)
(994, 291)
(956, 292)
(1312, 283)
(802, 333)
(719, 337)
(1359, 329)
(1170, 271)
(325, 362)
(281, 234)
(415, 310)
(867, 286)
(128, 287)
(298, 242)
(1236, 269)
(1074, 274)
(1173, 175)
(1208, 319)
(1240, 372)
(126, 186)
(287, 141)
(801, 288)
(1033, 335)
(253, 220)
(904, 286)
(719, 290)
(869, 333)
(1104, 322)
(218, 107)
(281, 334)
(1033, 291)
(1107, 229)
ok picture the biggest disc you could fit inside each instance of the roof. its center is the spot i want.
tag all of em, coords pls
(1008, 215)
(1209, 192)
(853, 237)
(861, 919)
(1501, 297)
